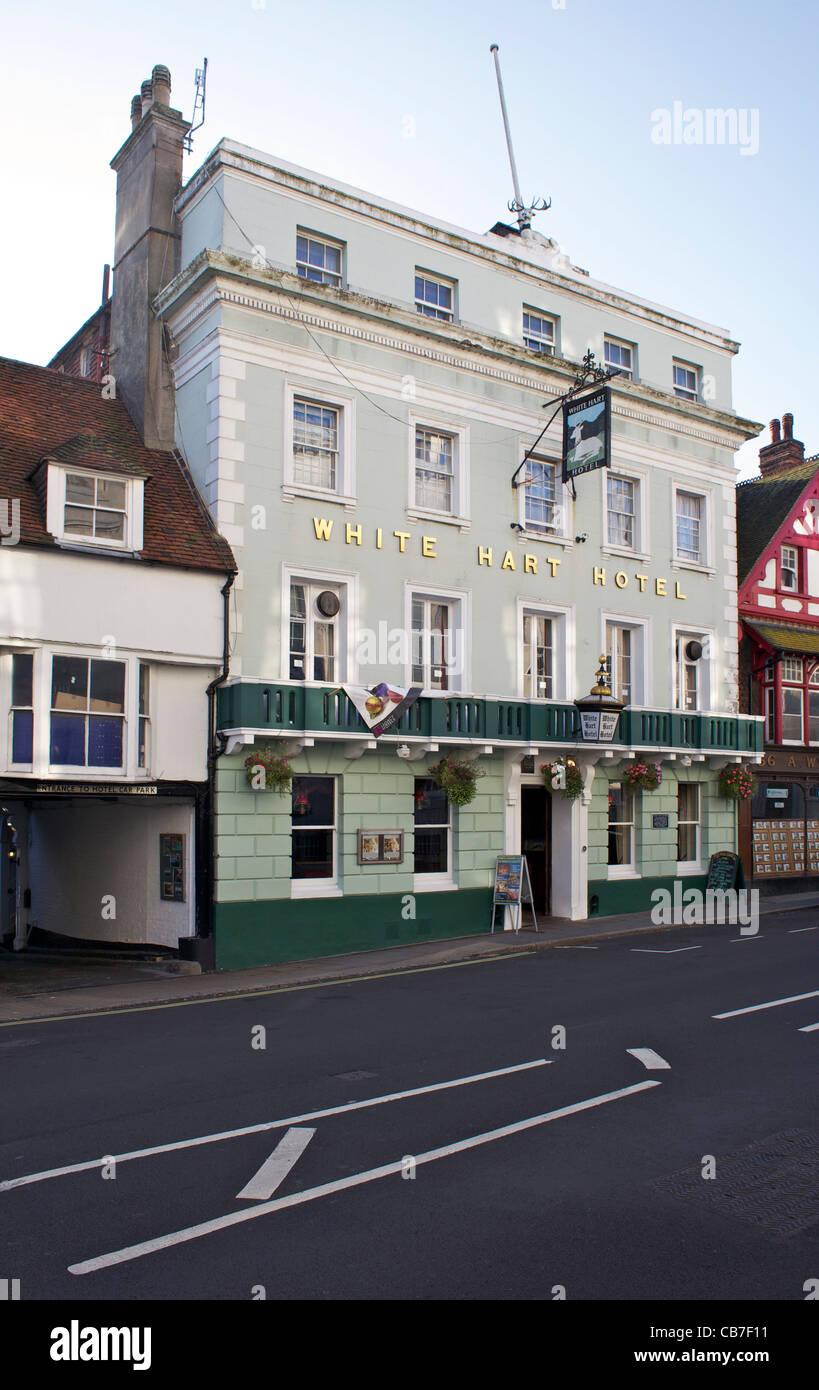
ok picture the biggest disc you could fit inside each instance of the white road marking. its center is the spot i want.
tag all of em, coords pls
(220, 1223)
(578, 948)
(793, 930)
(752, 936)
(651, 1060)
(809, 1028)
(771, 1004)
(276, 1166)
(269, 1124)
(658, 950)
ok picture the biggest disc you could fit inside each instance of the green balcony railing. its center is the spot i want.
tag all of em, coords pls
(282, 708)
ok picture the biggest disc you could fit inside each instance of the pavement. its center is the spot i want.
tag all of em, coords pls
(36, 987)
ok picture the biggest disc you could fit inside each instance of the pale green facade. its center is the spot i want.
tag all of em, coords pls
(251, 337)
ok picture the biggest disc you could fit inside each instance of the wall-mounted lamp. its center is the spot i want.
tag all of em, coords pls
(516, 526)
(402, 750)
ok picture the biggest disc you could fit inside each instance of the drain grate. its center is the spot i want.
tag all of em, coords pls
(772, 1184)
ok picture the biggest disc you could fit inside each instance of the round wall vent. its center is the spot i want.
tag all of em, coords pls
(328, 603)
(693, 650)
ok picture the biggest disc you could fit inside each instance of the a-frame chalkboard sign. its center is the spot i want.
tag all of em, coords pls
(513, 888)
(725, 871)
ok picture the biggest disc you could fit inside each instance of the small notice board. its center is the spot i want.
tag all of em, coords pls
(513, 888)
(725, 871)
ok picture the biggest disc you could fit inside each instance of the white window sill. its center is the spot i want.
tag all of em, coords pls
(88, 774)
(623, 871)
(689, 868)
(545, 538)
(464, 523)
(318, 494)
(696, 565)
(625, 552)
(92, 547)
(314, 888)
(429, 883)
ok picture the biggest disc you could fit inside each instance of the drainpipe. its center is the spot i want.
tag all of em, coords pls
(216, 747)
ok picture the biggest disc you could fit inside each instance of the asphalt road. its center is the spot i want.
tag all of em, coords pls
(606, 1202)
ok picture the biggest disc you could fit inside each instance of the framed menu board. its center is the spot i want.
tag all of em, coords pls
(779, 848)
(172, 868)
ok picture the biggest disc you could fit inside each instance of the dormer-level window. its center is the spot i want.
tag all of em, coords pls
(790, 567)
(94, 507)
(95, 510)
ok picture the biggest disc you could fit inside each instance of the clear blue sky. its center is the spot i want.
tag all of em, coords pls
(726, 237)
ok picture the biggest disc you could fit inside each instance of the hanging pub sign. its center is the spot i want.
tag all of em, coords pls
(586, 433)
(382, 706)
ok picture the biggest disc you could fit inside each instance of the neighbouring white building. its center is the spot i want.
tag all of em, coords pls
(111, 631)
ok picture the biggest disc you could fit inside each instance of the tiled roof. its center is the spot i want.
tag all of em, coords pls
(762, 506)
(787, 637)
(45, 414)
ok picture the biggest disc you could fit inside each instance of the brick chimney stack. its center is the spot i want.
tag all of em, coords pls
(781, 454)
(146, 256)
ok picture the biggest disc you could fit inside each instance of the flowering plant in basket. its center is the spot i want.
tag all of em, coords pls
(277, 771)
(456, 780)
(573, 783)
(735, 782)
(646, 776)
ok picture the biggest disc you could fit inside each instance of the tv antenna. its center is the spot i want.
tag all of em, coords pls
(200, 80)
(523, 211)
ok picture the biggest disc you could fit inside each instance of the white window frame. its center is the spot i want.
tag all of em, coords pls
(800, 691)
(691, 866)
(562, 534)
(346, 669)
(533, 339)
(435, 883)
(85, 362)
(707, 672)
(789, 569)
(459, 434)
(55, 510)
(129, 717)
(422, 306)
(622, 344)
(629, 869)
(7, 689)
(461, 682)
(641, 682)
(336, 280)
(686, 393)
(562, 619)
(641, 550)
(320, 887)
(345, 489)
(144, 719)
(705, 563)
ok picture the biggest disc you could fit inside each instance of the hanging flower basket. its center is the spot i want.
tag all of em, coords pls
(646, 776)
(573, 779)
(735, 782)
(456, 780)
(278, 774)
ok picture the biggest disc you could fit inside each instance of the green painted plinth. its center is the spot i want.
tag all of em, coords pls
(634, 894)
(273, 931)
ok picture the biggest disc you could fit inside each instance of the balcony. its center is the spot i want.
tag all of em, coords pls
(297, 709)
